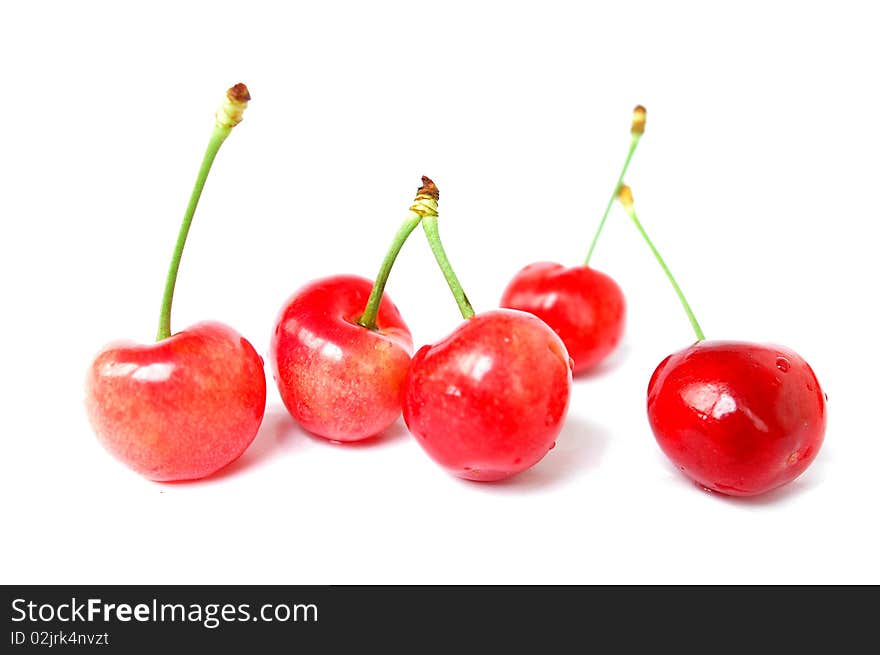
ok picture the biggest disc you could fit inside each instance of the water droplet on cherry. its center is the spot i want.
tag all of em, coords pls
(782, 364)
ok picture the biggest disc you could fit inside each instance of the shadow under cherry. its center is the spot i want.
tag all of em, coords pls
(611, 363)
(808, 481)
(579, 450)
(394, 432)
(278, 433)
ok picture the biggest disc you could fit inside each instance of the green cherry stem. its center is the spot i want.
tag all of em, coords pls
(432, 231)
(640, 115)
(624, 195)
(228, 116)
(425, 204)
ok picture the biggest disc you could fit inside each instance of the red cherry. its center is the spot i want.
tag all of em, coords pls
(738, 418)
(583, 306)
(489, 400)
(339, 379)
(341, 350)
(188, 405)
(179, 409)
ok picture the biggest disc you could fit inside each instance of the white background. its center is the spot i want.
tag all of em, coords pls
(757, 178)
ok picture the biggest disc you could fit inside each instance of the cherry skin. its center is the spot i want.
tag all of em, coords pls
(489, 400)
(738, 418)
(339, 379)
(583, 306)
(181, 408)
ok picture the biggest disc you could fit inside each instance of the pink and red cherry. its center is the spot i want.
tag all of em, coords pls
(584, 306)
(338, 379)
(738, 418)
(188, 405)
(179, 409)
(341, 350)
(489, 400)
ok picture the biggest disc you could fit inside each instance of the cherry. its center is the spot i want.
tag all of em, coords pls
(338, 379)
(340, 350)
(191, 403)
(182, 408)
(584, 306)
(737, 418)
(489, 400)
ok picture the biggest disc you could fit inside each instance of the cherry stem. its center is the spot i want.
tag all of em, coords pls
(625, 197)
(228, 116)
(424, 204)
(432, 231)
(636, 130)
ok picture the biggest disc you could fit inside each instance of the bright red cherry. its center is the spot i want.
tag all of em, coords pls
(583, 306)
(337, 378)
(738, 418)
(179, 409)
(489, 400)
(340, 350)
(188, 405)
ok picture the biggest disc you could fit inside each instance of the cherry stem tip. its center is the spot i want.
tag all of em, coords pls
(231, 111)
(640, 116)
